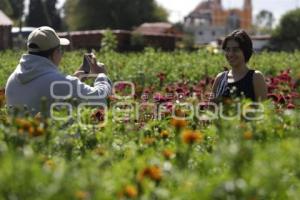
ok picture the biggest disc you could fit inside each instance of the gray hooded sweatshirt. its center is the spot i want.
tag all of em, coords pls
(37, 78)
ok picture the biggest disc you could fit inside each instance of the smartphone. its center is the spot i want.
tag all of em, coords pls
(86, 66)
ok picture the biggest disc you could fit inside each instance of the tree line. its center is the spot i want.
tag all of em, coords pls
(126, 14)
(84, 14)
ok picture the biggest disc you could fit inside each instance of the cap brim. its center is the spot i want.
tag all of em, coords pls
(64, 41)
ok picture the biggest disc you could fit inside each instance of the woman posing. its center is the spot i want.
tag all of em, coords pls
(240, 80)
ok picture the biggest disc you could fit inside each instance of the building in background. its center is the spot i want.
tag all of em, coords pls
(210, 21)
(157, 35)
(161, 35)
(5, 31)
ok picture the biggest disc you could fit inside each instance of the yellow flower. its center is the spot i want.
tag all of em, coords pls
(192, 136)
(50, 164)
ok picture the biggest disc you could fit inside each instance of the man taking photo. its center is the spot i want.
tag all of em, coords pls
(37, 76)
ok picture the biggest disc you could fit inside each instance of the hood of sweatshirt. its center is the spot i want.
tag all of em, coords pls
(32, 67)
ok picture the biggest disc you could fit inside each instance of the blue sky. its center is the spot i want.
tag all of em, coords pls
(180, 8)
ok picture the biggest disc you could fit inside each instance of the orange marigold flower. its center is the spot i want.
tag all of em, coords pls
(81, 195)
(21, 131)
(130, 191)
(248, 135)
(192, 136)
(39, 131)
(31, 131)
(23, 123)
(149, 140)
(179, 113)
(228, 101)
(164, 134)
(100, 151)
(153, 172)
(179, 123)
(31, 127)
(168, 154)
(243, 125)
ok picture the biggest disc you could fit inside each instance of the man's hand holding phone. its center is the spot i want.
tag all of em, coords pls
(94, 66)
(90, 66)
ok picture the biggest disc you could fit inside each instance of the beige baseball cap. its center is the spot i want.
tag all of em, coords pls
(43, 39)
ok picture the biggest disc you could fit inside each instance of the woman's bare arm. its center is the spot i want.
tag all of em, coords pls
(260, 86)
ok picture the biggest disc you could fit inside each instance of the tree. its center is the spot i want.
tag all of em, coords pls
(114, 14)
(17, 10)
(287, 35)
(43, 13)
(109, 41)
(264, 22)
(37, 15)
(53, 14)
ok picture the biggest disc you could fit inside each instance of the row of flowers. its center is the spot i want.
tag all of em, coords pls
(282, 89)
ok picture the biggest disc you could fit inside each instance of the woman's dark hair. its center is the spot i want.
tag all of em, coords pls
(45, 54)
(244, 41)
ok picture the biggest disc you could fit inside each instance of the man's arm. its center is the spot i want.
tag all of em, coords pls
(101, 89)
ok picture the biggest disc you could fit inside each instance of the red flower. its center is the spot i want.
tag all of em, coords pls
(158, 97)
(291, 106)
(161, 76)
(2, 96)
(99, 115)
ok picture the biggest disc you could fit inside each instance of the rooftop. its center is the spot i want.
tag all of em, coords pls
(4, 20)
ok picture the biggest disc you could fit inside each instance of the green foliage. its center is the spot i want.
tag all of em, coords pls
(17, 9)
(188, 41)
(190, 64)
(117, 14)
(234, 159)
(286, 36)
(264, 22)
(109, 41)
(137, 41)
(5, 6)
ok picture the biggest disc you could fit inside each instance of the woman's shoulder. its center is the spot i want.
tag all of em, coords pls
(218, 78)
(221, 74)
(257, 75)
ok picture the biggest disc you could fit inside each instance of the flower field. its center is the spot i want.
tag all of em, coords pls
(156, 139)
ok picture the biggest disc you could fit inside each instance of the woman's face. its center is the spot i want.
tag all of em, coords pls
(234, 54)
